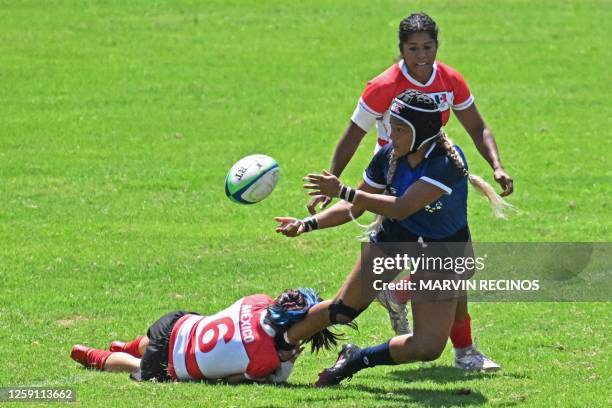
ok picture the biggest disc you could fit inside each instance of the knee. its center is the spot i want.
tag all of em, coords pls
(429, 351)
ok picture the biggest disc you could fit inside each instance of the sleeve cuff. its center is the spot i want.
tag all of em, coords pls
(371, 182)
(364, 116)
(445, 188)
(464, 105)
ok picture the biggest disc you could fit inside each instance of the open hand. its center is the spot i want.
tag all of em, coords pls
(289, 226)
(323, 184)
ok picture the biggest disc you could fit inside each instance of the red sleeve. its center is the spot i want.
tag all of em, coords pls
(259, 300)
(263, 357)
(379, 92)
(462, 96)
(264, 360)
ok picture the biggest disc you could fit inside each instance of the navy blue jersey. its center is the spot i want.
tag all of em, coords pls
(441, 218)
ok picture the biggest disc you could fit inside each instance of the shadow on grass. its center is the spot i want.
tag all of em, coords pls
(445, 375)
(431, 398)
(394, 396)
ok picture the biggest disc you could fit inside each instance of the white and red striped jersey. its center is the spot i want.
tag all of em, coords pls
(446, 86)
(233, 341)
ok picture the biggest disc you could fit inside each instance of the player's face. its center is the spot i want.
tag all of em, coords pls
(401, 137)
(419, 54)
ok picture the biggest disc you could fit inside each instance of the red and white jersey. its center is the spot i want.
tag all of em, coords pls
(234, 341)
(446, 86)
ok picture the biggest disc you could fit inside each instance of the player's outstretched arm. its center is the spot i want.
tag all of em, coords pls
(338, 214)
(417, 196)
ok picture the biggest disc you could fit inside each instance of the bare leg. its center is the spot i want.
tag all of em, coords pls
(462, 310)
(432, 324)
(121, 362)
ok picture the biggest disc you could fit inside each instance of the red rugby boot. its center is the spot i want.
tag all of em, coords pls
(89, 357)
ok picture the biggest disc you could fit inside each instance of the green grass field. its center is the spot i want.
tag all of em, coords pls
(120, 120)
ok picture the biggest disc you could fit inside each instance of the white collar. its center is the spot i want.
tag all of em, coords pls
(404, 69)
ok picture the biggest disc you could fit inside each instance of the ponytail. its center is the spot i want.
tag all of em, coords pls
(498, 204)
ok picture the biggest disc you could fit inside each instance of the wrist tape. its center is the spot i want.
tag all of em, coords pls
(310, 224)
(347, 193)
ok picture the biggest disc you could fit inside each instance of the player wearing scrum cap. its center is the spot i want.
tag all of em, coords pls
(241, 343)
(419, 69)
(417, 184)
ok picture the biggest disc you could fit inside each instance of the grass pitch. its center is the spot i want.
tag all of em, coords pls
(120, 120)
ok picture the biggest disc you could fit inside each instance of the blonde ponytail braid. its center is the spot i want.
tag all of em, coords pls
(498, 204)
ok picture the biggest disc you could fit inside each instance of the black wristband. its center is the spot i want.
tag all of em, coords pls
(281, 342)
(310, 224)
(347, 193)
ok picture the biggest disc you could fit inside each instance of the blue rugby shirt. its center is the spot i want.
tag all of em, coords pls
(441, 218)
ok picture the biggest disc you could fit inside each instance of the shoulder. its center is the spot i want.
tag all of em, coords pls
(447, 70)
(449, 73)
(441, 168)
(381, 90)
(387, 82)
(383, 154)
(439, 155)
(260, 300)
(375, 173)
(388, 77)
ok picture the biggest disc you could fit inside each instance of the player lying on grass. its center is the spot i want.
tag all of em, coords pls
(238, 344)
(418, 186)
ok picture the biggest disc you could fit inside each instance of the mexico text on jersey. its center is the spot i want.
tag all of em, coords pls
(233, 341)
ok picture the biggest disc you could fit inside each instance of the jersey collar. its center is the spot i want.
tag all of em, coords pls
(404, 69)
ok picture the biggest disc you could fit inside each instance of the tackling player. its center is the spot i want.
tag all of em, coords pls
(418, 69)
(241, 343)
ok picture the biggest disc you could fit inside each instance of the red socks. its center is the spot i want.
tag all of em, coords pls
(402, 296)
(132, 347)
(97, 358)
(461, 334)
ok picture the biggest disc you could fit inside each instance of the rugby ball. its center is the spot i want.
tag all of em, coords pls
(252, 179)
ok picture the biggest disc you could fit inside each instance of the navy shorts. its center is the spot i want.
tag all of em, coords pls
(393, 240)
(392, 231)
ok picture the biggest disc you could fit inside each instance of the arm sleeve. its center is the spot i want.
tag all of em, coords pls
(374, 175)
(463, 98)
(374, 102)
(442, 173)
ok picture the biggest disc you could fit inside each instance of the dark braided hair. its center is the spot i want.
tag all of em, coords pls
(291, 306)
(417, 23)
